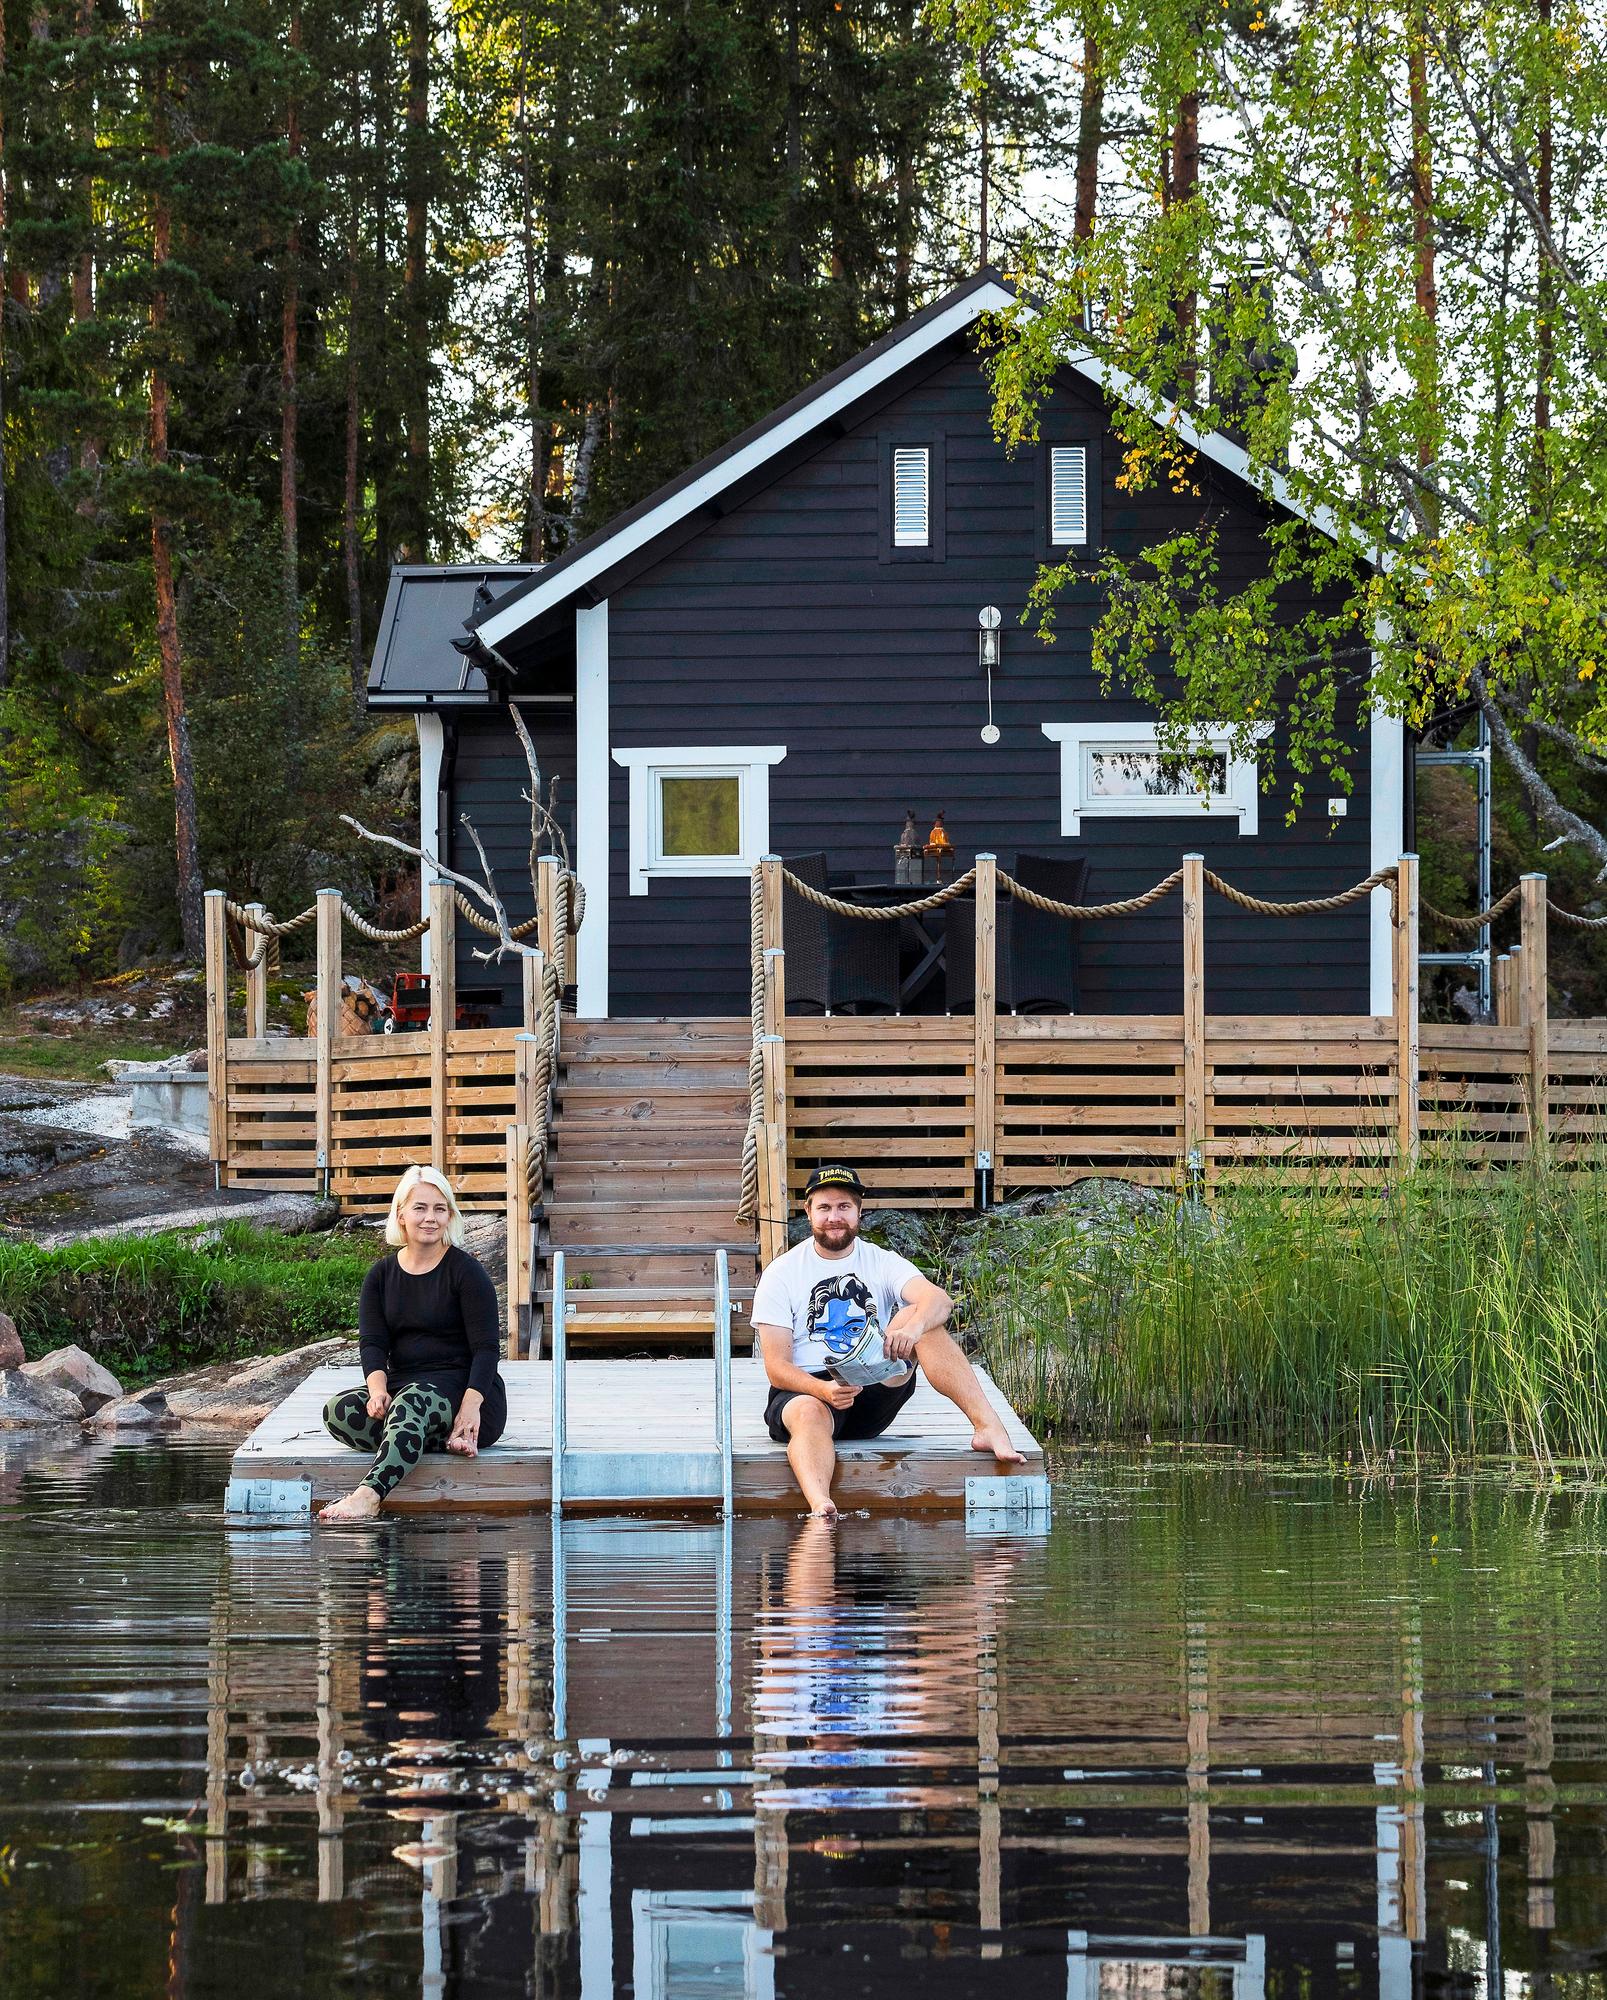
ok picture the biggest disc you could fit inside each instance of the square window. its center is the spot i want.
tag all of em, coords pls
(697, 810)
(700, 816)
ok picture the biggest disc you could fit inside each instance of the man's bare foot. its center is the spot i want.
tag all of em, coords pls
(362, 1505)
(995, 1438)
(826, 1511)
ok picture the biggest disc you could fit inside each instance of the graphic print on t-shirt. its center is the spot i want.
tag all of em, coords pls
(841, 1311)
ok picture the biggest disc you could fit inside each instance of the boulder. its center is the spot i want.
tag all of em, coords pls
(237, 1395)
(29, 1404)
(144, 1410)
(11, 1354)
(70, 1368)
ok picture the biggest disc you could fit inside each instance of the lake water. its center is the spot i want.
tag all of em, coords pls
(1220, 1731)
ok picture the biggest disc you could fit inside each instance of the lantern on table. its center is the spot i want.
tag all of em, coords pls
(939, 852)
(908, 853)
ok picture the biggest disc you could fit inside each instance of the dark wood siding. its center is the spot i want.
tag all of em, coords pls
(778, 624)
(488, 778)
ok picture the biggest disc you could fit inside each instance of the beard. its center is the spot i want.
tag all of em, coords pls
(834, 1235)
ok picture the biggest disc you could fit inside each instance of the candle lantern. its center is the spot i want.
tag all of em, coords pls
(908, 853)
(939, 852)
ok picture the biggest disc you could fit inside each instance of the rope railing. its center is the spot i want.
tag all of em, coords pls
(1477, 920)
(889, 912)
(1312, 906)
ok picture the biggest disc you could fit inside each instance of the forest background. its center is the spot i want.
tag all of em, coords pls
(291, 294)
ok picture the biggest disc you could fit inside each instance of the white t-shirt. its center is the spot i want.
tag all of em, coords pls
(815, 1295)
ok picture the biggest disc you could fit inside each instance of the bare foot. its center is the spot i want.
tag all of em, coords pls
(826, 1511)
(995, 1438)
(361, 1505)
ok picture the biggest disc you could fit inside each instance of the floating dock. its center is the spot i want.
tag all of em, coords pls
(644, 1434)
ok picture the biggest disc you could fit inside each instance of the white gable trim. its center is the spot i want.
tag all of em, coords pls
(899, 354)
(591, 808)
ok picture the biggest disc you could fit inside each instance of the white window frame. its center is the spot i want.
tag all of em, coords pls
(1079, 540)
(748, 763)
(902, 539)
(1240, 801)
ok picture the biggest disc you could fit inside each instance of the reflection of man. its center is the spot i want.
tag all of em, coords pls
(826, 1300)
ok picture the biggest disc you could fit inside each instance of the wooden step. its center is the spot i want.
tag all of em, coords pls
(672, 1300)
(660, 1320)
(602, 1144)
(668, 1225)
(701, 1183)
(654, 1078)
(666, 1275)
(600, 1037)
(593, 1103)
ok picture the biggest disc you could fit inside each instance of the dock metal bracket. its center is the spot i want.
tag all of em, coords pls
(268, 1500)
(1006, 1503)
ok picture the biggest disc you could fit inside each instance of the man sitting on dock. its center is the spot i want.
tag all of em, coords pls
(836, 1294)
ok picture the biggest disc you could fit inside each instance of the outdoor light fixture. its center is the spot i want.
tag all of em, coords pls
(987, 653)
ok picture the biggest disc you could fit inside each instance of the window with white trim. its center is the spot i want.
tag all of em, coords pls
(698, 810)
(1068, 495)
(1117, 770)
(911, 496)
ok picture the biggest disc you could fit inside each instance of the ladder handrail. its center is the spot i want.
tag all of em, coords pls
(560, 1401)
(722, 1376)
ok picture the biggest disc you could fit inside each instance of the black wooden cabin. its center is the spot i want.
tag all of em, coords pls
(779, 651)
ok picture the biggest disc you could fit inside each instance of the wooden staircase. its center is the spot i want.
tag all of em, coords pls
(645, 1166)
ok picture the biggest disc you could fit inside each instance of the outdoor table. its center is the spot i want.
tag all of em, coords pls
(926, 931)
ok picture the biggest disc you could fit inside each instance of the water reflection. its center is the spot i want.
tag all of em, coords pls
(1215, 1733)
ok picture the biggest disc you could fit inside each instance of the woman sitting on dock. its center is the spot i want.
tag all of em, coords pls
(428, 1333)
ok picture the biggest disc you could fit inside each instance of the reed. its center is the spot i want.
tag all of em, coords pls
(1460, 1312)
(145, 1305)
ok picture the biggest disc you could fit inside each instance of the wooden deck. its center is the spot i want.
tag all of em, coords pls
(641, 1434)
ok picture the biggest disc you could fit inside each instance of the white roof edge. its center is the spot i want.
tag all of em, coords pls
(990, 297)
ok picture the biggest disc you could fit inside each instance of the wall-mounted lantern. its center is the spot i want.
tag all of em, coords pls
(987, 651)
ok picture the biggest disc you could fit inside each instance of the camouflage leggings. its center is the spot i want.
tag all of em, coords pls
(419, 1419)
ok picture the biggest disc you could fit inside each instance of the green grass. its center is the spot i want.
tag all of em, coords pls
(150, 1305)
(1459, 1313)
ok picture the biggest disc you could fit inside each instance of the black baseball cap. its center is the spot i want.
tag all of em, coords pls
(834, 1177)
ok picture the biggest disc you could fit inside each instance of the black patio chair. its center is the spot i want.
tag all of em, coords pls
(804, 938)
(1035, 955)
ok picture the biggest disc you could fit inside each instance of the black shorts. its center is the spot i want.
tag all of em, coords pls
(867, 1416)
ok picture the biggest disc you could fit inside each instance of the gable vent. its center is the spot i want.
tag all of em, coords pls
(910, 496)
(1068, 493)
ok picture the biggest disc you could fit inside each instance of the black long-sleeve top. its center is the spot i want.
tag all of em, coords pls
(439, 1328)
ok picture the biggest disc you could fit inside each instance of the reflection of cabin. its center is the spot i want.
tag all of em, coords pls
(779, 651)
(691, 1841)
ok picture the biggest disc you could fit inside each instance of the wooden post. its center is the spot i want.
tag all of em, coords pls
(1407, 1076)
(547, 871)
(217, 1036)
(1536, 1004)
(1501, 990)
(773, 1151)
(327, 1004)
(775, 992)
(771, 887)
(1194, 1013)
(1514, 1017)
(257, 976)
(443, 1009)
(518, 1218)
(985, 1024)
(530, 978)
(526, 1111)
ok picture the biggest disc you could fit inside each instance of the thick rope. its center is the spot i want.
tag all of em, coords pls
(266, 926)
(882, 915)
(1080, 912)
(1573, 918)
(1314, 906)
(1479, 918)
(486, 924)
(365, 929)
(748, 1205)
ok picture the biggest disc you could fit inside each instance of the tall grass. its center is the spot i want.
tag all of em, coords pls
(145, 1305)
(1458, 1312)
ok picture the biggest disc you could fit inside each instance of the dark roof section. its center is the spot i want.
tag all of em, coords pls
(415, 664)
(897, 337)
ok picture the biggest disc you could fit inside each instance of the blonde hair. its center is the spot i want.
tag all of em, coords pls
(394, 1234)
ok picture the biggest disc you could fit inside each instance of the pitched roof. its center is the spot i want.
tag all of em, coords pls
(703, 484)
(415, 663)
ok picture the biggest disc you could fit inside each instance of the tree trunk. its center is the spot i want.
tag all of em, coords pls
(349, 537)
(1423, 274)
(414, 282)
(1090, 138)
(580, 493)
(84, 271)
(5, 219)
(1545, 316)
(288, 384)
(382, 391)
(1185, 184)
(536, 497)
(186, 835)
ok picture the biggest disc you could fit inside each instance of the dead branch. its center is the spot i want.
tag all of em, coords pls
(481, 891)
